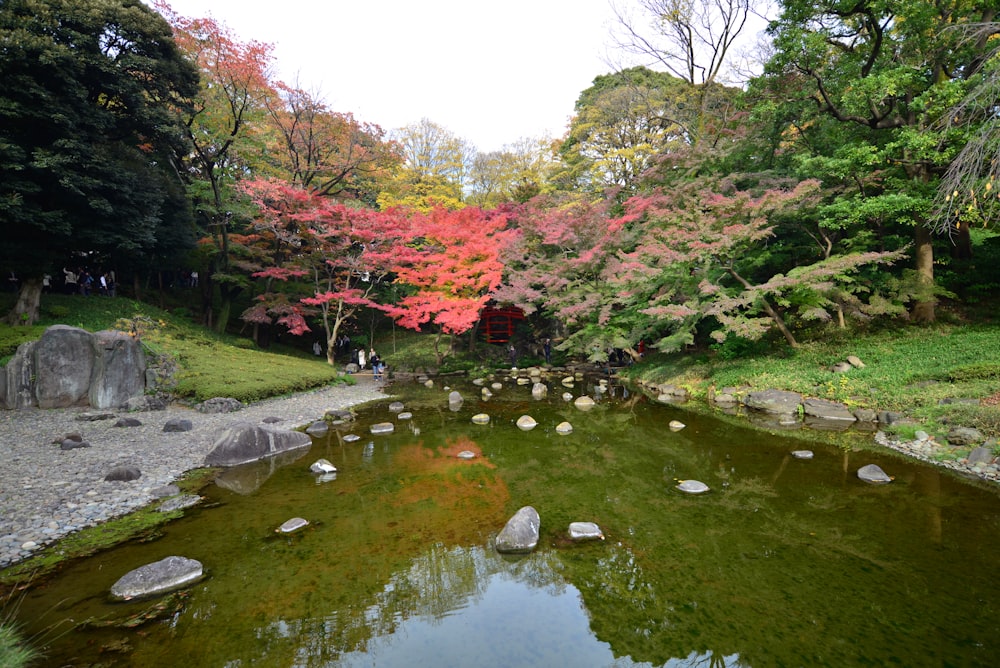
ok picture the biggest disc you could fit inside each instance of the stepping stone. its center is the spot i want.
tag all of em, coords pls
(873, 474)
(157, 578)
(480, 418)
(676, 425)
(692, 487)
(350, 438)
(802, 454)
(585, 531)
(291, 525)
(564, 428)
(526, 423)
(382, 428)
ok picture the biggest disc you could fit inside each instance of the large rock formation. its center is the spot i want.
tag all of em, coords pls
(69, 366)
(246, 442)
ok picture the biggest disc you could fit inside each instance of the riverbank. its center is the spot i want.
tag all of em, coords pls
(47, 493)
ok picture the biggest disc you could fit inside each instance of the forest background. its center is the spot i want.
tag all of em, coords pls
(848, 184)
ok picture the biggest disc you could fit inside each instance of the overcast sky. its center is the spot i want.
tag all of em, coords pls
(490, 72)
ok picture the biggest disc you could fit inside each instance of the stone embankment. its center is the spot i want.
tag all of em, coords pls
(49, 488)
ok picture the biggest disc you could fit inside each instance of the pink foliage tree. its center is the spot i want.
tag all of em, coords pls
(450, 267)
(338, 254)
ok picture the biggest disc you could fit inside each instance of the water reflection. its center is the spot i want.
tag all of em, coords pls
(784, 562)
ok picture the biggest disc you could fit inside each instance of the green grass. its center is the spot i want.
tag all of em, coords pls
(909, 369)
(210, 365)
(14, 652)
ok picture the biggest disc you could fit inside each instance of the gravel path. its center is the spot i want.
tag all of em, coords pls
(47, 492)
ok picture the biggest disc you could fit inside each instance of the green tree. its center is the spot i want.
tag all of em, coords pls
(517, 172)
(886, 70)
(434, 169)
(89, 95)
(228, 129)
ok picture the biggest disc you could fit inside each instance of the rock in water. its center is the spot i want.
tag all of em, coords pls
(480, 418)
(873, 474)
(526, 422)
(291, 525)
(802, 454)
(382, 428)
(245, 442)
(676, 425)
(157, 578)
(585, 531)
(564, 428)
(584, 403)
(520, 535)
(318, 428)
(692, 487)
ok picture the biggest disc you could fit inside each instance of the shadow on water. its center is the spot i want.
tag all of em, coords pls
(784, 562)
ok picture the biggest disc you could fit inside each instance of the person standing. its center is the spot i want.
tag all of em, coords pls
(361, 358)
(69, 280)
(547, 349)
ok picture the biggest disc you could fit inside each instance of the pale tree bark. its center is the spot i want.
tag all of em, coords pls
(26, 308)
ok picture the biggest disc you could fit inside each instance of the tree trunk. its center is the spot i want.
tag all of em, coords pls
(29, 298)
(923, 253)
(771, 312)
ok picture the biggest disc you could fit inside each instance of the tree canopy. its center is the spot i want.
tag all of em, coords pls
(90, 92)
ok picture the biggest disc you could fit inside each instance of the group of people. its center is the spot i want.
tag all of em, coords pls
(86, 283)
(372, 360)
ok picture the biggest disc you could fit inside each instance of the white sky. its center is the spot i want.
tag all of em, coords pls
(490, 72)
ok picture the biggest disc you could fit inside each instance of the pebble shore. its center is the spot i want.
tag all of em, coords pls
(47, 493)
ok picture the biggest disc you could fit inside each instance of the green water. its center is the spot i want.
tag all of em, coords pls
(785, 562)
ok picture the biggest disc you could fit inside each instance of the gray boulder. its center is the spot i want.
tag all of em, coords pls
(246, 442)
(520, 534)
(123, 474)
(382, 428)
(874, 474)
(777, 402)
(64, 366)
(73, 444)
(128, 422)
(157, 578)
(318, 428)
(178, 425)
(145, 403)
(827, 410)
(980, 455)
(455, 397)
(585, 531)
(119, 370)
(179, 502)
(964, 436)
(220, 405)
(19, 376)
(340, 414)
(165, 491)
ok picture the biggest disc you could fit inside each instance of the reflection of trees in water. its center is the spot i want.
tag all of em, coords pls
(437, 583)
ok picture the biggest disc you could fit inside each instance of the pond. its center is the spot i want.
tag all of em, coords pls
(784, 562)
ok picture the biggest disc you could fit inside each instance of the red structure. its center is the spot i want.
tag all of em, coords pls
(498, 324)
